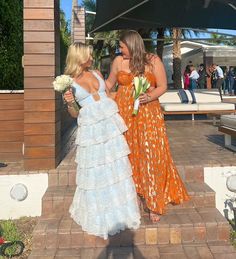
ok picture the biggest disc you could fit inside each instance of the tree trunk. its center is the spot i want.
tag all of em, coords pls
(177, 58)
(112, 52)
(160, 44)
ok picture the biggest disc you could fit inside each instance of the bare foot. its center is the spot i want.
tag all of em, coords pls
(154, 217)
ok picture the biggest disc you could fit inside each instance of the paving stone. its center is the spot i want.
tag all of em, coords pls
(191, 252)
(182, 233)
(151, 236)
(204, 252)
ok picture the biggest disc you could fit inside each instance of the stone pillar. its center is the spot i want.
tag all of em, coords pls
(42, 120)
(78, 24)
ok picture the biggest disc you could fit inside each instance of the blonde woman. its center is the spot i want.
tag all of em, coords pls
(155, 175)
(105, 199)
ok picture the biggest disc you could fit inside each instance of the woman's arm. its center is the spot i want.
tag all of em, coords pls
(69, 98)
(73, 113)
(191, 74)
(111, 80)
(159, 72)
(108, 92)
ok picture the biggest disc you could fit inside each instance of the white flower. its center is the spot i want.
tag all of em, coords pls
(136, 82)
(141, 85)
(62, 83)
(143, 79)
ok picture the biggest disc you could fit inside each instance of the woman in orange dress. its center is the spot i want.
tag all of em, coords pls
(155, 175)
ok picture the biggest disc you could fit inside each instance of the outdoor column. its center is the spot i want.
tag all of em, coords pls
(78, 24)
(42, 122)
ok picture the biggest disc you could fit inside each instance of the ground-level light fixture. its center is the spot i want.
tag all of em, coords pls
(19, 192)
(231, 183)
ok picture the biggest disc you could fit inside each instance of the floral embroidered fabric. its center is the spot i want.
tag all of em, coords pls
(105, 200)
(154, 173)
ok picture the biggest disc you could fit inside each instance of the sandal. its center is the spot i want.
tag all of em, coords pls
(154, 217)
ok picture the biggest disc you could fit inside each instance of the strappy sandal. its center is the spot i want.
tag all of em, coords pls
(154, 217)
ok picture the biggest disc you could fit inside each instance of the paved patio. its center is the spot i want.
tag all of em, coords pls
(194, 229)
(192, 143)
(198, 143)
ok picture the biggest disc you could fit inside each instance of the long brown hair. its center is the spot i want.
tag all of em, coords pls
(138, 55)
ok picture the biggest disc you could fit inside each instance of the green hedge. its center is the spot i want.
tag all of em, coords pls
(11, 44)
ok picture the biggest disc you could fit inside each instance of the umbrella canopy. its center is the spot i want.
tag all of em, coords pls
(133, 14)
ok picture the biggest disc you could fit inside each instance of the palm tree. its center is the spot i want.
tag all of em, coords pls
(65, 39)
(222, 39)
(161, 42)
(104, 42)
(175, 33)
(89, 5)
(177, 74)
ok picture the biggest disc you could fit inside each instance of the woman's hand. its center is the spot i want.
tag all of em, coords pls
(112, 95)
(69, 97)
(144, 98)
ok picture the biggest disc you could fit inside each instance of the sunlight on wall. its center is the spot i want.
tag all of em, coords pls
(36, 185)
(216, 178)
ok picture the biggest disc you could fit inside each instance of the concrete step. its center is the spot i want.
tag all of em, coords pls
(57, 199)
(197, 251)
(185, 225)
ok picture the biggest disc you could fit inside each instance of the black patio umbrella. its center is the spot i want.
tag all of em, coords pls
(133, 14)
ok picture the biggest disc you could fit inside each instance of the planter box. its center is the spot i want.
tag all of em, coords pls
(11, 125)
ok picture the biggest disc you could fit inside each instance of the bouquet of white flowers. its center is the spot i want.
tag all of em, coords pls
(62, 84)
(140, 86)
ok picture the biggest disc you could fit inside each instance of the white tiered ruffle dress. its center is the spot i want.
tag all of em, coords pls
(105, 200)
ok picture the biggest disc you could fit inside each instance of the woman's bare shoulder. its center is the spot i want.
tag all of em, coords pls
(153, 58)
(117, 60)
(117, 63)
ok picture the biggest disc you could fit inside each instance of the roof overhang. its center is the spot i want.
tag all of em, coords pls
(134, 14)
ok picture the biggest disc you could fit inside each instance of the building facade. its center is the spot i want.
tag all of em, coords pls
(199, 53)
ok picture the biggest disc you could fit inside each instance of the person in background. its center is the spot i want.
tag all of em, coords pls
(193, 77)
(202, 77)
(225, 84)
(186, 77)
(219, 74)
(230, 78)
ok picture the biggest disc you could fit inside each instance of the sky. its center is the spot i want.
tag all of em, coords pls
(66, 6)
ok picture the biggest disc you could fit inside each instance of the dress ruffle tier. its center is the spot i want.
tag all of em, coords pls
(105, 199)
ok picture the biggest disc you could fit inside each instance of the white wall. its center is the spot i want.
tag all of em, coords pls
(216, 178)
(36, 184)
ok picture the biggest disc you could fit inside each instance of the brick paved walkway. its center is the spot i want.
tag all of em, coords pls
(194, 230)
(197, 251)
(192, 143)
(198, 143)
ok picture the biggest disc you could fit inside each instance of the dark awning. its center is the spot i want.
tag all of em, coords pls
(133, 14)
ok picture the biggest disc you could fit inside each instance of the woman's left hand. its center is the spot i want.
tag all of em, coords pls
(144, 98)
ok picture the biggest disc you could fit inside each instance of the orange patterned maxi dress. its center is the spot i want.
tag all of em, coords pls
(154, 173)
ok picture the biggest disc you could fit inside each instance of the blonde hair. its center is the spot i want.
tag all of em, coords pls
(138, 55)
(77, 55)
